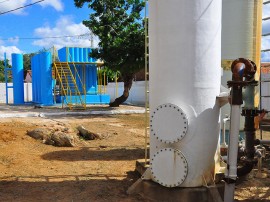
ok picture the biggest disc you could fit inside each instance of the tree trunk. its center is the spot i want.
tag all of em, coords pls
(128, 78)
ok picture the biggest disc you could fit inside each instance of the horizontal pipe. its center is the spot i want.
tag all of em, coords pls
(266, 2)
(263, 141)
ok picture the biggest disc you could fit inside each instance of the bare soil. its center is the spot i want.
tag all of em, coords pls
(96, 170)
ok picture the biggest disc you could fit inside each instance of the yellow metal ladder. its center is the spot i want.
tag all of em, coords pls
(147, 128)
(68, 85)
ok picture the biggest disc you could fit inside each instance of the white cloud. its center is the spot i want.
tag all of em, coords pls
(63, 27)
(13, 4)
(56, 4)
(10, 5)
(8, 50)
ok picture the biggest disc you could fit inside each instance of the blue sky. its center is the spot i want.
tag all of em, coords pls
(266, 29)
(58, 18)
(45, 19)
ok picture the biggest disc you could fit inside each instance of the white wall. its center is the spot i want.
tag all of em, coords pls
(137, 92)
(136, 96)
(27, 93)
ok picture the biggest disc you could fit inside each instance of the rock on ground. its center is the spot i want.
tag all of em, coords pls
(39, 133)
(86, 134)
(61, 137)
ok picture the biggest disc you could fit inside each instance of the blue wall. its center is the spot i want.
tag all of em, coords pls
(75, 54)
(81, 55)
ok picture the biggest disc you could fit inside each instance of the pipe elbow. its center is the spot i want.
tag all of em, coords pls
(241, 68)
(238, 71)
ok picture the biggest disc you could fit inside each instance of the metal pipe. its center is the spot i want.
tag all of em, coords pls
(249, 137)
(257, 142)
(241, 68)
(231, 172)
(223, 139)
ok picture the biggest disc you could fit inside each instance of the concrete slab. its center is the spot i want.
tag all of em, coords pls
(12, 111)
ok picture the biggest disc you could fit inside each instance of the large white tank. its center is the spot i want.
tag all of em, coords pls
(241, 30)
(185, 74)
(241, 37)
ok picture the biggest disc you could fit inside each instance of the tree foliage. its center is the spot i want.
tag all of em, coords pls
(2, 70)
(120, 28)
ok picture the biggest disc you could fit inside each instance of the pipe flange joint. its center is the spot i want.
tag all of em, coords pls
(250, 112)
(229, 180)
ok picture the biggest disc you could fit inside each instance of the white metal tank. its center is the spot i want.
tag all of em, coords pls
(241, 37)
(185, 74)
(241, 29)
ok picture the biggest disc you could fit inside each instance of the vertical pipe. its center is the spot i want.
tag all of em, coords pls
(250, 137)
(67, 54)
(38, 78)
(6, 75)
(90, 59)
(76, 54)
(33, 63)
(72, 54)
(260, 86)
(18, 84)
(231, 172)
(46, 78)
(81, 55)
(85, 55)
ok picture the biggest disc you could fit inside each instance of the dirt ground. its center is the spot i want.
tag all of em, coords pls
(97, 170)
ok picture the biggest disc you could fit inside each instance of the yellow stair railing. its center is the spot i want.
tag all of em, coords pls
(77, 75)
(68, 85)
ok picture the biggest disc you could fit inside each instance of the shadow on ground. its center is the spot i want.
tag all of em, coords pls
(68, 188)
(95, 155)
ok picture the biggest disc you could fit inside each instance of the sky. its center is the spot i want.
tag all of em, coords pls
(50, 18)
(266, 29)
(56, 18)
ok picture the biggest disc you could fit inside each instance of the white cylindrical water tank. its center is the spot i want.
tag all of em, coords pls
(185, 74)
(237, 29)
(241, 37)
(241, 29)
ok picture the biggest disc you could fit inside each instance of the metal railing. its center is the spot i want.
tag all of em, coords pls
(68, 84)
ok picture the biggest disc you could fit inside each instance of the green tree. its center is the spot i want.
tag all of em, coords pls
(2, 70)
(120, 28)
(27, 62)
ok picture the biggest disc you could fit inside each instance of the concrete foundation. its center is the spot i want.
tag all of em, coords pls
(155, 192)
